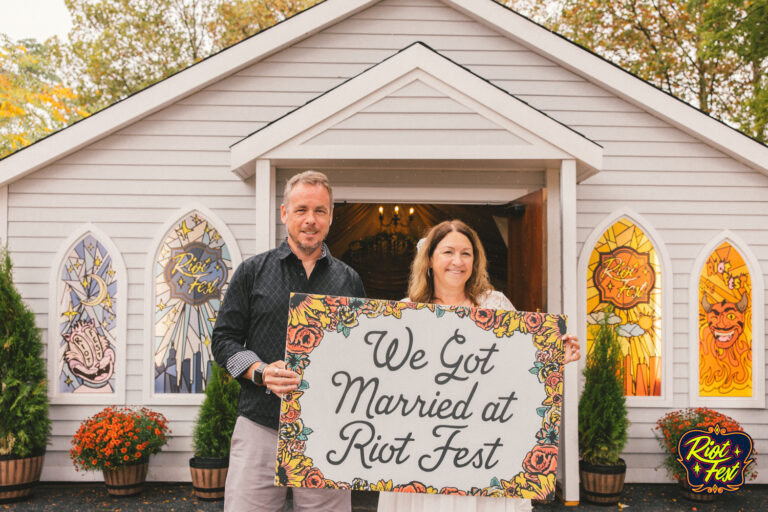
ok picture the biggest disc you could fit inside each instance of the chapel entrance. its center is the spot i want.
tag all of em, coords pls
(379, 241)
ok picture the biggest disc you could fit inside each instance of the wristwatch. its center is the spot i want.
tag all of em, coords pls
(257, 377)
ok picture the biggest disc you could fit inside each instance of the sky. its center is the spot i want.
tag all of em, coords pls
(40, 19)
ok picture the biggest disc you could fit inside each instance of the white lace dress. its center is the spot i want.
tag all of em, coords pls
(408, 502)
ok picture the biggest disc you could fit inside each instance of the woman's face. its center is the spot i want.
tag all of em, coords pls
(451, 262)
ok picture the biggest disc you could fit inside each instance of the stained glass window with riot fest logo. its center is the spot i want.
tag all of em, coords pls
(624, 287)
(192, 269)
(725, 325)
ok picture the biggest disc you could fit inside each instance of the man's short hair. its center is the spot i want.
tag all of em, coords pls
(307, 178)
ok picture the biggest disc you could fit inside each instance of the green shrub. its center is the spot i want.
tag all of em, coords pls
(24, 422)
(602, 408)
(217, 416)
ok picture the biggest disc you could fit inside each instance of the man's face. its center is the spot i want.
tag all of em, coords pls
(307, 217)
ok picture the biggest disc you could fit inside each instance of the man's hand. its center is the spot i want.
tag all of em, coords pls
(279, 379)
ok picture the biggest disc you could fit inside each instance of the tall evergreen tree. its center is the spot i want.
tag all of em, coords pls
(24, 421)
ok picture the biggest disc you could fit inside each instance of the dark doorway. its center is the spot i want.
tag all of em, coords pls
(367, 237)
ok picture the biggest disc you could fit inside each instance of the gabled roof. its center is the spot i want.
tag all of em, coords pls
(488, 12)
(509, 129)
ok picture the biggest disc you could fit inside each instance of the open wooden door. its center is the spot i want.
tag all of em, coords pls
(526, 271)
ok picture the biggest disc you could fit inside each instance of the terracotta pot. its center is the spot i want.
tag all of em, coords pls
(126, 480)
(18, 476)
(208, 477)
(600, 483)
(688, 493)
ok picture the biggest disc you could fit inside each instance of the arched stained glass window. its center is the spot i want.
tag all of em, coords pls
(191, 272)
(624, 284)
(89, 293)
(725, 325)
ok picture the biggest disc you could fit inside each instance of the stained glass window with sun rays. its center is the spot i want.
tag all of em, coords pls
(192, 269)
(624, 285)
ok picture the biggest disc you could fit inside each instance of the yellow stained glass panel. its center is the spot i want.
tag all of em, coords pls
(725, 325)
(624, 282)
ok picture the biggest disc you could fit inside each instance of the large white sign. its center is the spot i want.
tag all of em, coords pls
(408, 397)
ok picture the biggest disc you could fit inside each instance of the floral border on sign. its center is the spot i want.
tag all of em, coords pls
(310, 316)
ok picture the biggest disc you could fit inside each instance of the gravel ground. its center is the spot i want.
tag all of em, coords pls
(178, 497)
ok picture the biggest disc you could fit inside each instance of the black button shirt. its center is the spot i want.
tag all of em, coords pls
(253, 319)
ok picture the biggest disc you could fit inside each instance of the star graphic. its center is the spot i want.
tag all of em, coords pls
(108, 301)
(97, 262)
(181, 281)
(161, 305)
(183, 229)
(111, 272)
(736, 451)
(696, 469)
(68, 381)
(207, 341)
(69, 313)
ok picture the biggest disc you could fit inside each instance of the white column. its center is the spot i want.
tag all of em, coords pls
(265, 205)
(554, 242)
(569, 431)
(3, 215)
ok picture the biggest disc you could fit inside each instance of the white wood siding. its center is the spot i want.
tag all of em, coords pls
(129, 183)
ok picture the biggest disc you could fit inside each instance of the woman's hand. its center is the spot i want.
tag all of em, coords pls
(280, 380)
(572, 352)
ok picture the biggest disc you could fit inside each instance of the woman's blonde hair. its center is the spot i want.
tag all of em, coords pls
(421, 287)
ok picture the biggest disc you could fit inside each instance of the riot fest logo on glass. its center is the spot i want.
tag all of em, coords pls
(714, 459)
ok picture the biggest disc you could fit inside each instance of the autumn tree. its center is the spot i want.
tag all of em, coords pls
(239, 19)
(705, 52)
(119, 47)
(33, 100)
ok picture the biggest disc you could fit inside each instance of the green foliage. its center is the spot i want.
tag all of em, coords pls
(710, 53)
(119, 47)
(238, 19)
(217, 416)
(603, 419)
(33, 101)
(24, 422)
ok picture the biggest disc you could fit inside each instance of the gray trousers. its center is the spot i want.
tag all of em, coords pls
(251, 477)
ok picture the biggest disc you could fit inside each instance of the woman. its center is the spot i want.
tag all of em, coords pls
(450, 269)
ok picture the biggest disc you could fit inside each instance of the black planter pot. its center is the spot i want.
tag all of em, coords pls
(208, 477)
(19, 476)
(688, 493)
(602, 484)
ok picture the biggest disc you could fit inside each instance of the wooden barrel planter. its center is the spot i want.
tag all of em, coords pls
(18, 476)
(208, 477)
(602, 484)
(688, 493)
(126, 480)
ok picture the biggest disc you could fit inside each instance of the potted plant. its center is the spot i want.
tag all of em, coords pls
(212, 435)
(671, 427)
(118, 441)
(24, 421)
(603, 419)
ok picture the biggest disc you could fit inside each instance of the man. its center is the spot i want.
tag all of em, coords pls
(249, 341)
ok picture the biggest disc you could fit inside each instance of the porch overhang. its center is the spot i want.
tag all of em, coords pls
(417, 106)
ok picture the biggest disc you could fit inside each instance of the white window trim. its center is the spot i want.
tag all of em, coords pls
(667, 340)
(757, 401)
(148, 378)
(54, 348)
